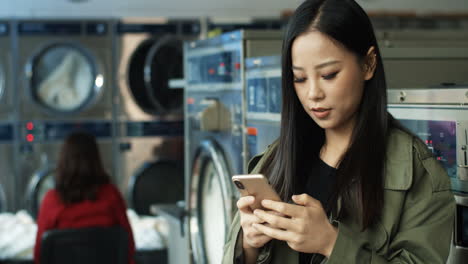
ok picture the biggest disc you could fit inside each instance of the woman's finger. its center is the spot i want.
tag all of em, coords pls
(283, 208)
(275, 220)
(244, 204)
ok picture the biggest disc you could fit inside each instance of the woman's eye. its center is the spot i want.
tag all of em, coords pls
(329, 76)
(299, 80)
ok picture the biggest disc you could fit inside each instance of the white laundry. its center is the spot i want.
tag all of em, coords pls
(149, 232)
(68, 85)
(17, 235)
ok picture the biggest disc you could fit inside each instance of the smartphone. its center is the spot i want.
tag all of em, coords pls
(255, 185)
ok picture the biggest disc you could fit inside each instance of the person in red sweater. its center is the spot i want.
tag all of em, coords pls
(83, 195)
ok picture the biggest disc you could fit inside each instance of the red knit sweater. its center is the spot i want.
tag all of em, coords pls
(108, 210)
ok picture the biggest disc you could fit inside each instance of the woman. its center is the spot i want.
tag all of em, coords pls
(357, 188)
(83, 195)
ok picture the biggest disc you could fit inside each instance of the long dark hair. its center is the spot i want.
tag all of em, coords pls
(79, 171)
(359, 183)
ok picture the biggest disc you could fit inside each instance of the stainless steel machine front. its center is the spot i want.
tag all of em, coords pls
(423, 58)
(440, 118)
(64, 83)
(149, 59)
(214, 132)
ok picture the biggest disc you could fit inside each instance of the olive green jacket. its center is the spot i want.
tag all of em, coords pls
(417, 216)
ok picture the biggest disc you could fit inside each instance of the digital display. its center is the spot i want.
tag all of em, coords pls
(58, 131)
(38, 28)
(440, 138)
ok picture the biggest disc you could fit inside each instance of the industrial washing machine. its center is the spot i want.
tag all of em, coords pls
(439, 116)
(7, 114)
(214, 132)
(149, 59)
(263, 97)
(424, 58)
(64, 83)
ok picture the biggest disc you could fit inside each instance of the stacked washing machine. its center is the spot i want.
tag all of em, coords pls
(7, 114)
(264, 99)
(214, 132)
(149, 63)
(64, 85)
(428, 94)
(423, 58)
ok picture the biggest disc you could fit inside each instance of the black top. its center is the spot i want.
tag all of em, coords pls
(318, 184)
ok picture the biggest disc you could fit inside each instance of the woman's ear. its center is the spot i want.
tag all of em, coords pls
(370, 63)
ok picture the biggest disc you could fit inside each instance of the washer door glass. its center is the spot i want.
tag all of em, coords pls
(163, 64)
(2, 81)
(212, 222)
(40, 184)
(44, 186)
(151, 66)
(63, 78)
(2, 199)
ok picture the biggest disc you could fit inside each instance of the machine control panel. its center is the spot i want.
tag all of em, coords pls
(219, 67)
(40, 132)
(448, 141)
(62, 28)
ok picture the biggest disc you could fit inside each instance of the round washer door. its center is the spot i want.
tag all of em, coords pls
(152, 65)
(160, 181)
(211, 204)
(40, 183)
(63, 78)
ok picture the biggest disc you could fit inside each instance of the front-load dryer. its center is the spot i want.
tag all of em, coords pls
(65, 83)
(149, 61)
(65, 69)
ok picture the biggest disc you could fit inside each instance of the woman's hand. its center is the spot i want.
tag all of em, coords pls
(253, 238)
(305, 228)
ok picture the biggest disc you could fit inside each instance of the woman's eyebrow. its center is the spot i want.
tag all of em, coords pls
(319, 66)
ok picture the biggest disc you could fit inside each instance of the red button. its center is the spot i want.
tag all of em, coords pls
(30, 137)
(29, 125)
(252, 131)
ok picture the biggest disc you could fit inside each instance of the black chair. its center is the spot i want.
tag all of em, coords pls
(95, 245)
